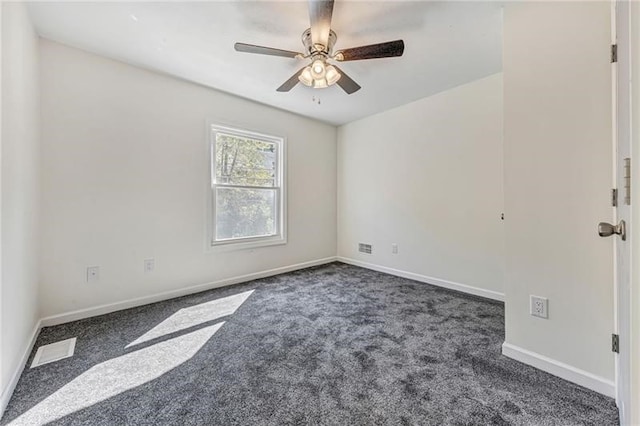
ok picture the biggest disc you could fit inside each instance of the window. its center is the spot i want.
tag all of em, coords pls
(247, 191)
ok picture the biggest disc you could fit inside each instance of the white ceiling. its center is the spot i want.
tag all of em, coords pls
(446, 44)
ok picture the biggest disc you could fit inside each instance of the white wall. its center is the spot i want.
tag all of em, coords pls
(125, 177)
(427, 176)
(19, 191)
(558, 177)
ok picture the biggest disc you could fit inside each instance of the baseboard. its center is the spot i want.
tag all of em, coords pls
(145, 300)
(560, 369)
(489, 294)
(8, 390)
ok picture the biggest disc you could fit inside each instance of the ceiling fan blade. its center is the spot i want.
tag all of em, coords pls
(252, 48)
(372, 51)
(290, 84)
(320, 12)
(347, 84)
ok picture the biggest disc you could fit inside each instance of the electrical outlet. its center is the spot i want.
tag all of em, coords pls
(394, 248)
(539, 306)
(149, 265)
(93, 273)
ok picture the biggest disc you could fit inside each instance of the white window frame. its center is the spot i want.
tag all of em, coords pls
(280, 237)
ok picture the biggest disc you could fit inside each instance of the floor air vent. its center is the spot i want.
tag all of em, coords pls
(54, 352)
(364, 248)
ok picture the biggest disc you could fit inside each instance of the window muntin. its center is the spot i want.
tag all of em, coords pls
(247, 193)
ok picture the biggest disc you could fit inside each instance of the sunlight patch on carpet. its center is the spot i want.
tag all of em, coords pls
(194, 315)
(117, 375)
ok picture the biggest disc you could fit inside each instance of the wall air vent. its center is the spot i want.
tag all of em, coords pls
(364, 248)
(54, 352)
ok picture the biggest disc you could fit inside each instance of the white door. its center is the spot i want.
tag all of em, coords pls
(622, 177)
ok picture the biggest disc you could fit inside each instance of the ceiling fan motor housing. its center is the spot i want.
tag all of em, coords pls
(312, 49)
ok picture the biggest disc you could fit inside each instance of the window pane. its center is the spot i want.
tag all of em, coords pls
(242, 161)
(242, 213)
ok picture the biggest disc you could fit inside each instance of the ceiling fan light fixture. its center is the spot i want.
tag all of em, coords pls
(320, 83)
(319, 75)
(318, 69)
(332, 75)
(305, 77)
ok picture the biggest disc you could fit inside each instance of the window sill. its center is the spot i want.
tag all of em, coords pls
(246, 245)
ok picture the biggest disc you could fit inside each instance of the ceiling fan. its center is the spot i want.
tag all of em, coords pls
(318, 44)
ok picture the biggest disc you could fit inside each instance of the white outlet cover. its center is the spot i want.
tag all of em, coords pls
(93, 273)
(539, 306)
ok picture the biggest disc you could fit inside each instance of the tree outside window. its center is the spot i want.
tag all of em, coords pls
(246, 186)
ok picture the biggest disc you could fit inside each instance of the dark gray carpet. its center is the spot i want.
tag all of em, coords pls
(331, 345)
